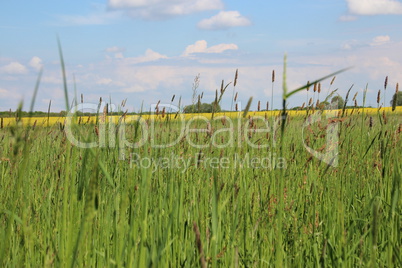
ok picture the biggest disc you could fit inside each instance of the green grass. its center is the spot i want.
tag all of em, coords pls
(61, 205)
(58, 208)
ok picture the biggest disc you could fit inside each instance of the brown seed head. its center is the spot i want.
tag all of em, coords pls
(378, 96)
(273, 76)
(354, 97)
(385, 82)
(332, 81)
(235, 80)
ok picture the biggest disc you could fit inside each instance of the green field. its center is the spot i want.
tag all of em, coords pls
(198, 202)
(254, 190)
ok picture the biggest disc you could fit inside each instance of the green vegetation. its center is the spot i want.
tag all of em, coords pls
(60, 203)
(228, 196)
(202, 108)
(396, 99)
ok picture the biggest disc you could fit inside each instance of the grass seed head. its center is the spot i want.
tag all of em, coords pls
(332, 81)
(378, 96)
(235, 79)
(385, 82)
(354, 97)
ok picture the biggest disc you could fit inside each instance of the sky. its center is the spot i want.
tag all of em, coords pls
(146, 51)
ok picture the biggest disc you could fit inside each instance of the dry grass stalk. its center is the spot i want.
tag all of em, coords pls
(173, 98)
(354, 97)
(259, 103)
(235, 98)
(96, 130)
(235, 79)
(319, 88)
(385, 82)
(315, 88)
(1, 123)
(105, 112)
(273, 76)
(332, 81)
(395, 98)
(199, 245)
(378, 96)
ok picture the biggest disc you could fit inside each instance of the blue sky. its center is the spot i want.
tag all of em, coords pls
(147, 50)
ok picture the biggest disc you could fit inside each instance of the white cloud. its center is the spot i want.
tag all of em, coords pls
(119, 55)
(380, 40)
(201, 46)
(149, 56)
(104, 81)
(161, 9)
(347, 18)
(36, 63)
(14, 68)
(224, 20)
(118, 52)
(374, 7)
(348, 45)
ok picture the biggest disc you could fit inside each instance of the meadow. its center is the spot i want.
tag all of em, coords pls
(223, 190)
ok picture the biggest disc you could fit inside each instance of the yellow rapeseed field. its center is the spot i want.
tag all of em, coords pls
(44, 121)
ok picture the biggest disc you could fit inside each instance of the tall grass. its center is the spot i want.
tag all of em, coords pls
(62, 205)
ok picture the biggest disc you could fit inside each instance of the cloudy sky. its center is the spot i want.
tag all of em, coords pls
(147, 50)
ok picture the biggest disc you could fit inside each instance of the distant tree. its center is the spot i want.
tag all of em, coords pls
(338, 100)
(323, 105)
(202, 108)
(398, 97)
